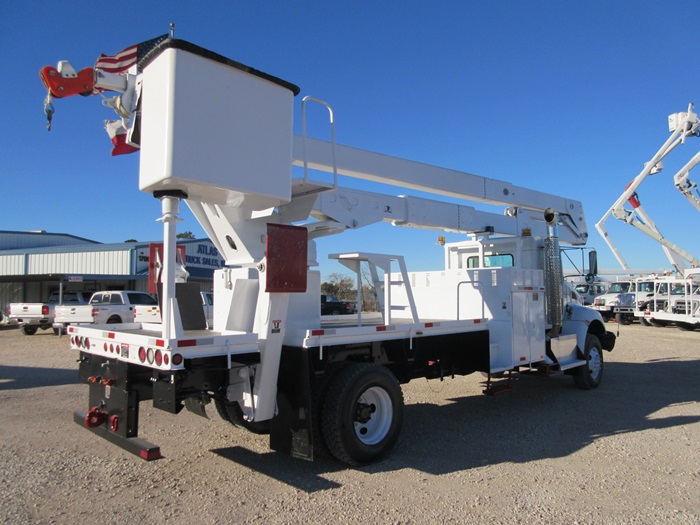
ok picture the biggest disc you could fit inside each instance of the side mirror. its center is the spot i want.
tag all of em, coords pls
(593, 262)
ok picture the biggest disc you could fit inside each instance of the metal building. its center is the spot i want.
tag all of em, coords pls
(35, 264)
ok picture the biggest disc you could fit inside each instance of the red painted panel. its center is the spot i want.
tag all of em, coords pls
(286, 253)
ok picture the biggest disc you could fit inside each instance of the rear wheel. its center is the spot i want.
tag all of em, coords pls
(687, 326)
(590, 375)
(28, 329)
(231, 411)
(657, 323)
(362, 415)
(115, 319)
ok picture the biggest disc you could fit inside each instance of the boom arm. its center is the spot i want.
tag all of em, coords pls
(376, 167)
(681, 125)
(688, 188)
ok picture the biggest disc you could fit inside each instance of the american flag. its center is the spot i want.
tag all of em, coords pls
(125, 59)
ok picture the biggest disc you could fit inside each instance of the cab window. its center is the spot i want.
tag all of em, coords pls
(495, 260)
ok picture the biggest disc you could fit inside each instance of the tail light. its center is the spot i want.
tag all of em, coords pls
(95, 312)
(9, 309)
(45, 309)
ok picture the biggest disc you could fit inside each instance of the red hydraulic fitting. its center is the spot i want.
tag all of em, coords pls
(94, 379)
(95, 417)
(108, 382)
(114, 423)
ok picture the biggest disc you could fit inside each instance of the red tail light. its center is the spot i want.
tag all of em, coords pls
(95, 312)
(45, 310)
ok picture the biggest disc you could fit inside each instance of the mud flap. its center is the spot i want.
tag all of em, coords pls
(291, 430)
(607, 341)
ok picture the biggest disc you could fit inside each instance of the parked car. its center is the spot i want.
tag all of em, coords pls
(332, 306)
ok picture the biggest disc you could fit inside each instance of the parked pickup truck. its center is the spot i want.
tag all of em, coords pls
(151, 313)
(332, 306)
(32, 316)
(111, 307)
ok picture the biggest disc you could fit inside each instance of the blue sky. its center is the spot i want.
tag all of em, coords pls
(567, 97)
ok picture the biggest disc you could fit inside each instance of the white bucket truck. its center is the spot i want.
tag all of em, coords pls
(218, 135)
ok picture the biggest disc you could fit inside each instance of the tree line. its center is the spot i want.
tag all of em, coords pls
(344, 288)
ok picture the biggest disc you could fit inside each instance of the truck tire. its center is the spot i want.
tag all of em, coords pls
(231, 411)
(28, 329)
(623, 319)
(590, 375)
(115, 319)
(362, 415)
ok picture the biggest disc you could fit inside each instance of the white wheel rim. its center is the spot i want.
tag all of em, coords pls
(595, 363)
(377, 415)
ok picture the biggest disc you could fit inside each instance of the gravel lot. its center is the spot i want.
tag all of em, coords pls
(628, 452)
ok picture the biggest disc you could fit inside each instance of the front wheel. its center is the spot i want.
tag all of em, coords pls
(590, 375)
(623, 319)
(362, 414)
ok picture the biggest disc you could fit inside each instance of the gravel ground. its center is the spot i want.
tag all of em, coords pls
(627, 452)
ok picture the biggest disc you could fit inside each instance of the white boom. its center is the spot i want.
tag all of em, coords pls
(377, 167)
(681, 126)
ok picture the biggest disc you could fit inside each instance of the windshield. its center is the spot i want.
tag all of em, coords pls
(645, 287)
(619, 288)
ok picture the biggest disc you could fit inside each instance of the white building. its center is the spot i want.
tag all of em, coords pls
(34, 264)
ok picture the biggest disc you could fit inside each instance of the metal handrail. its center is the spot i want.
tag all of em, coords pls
(303, 136)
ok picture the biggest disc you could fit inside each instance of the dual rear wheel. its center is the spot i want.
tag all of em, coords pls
(361, 413)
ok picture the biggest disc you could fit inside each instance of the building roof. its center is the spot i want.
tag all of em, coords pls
(16, 240)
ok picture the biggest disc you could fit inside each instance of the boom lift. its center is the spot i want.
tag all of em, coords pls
(681, 126)
(218, 135)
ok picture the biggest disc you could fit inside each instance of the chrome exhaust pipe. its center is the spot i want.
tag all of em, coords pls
(553, 275)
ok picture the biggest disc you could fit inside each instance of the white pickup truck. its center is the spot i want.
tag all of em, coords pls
(32, 316)
(151, 313)
(111, 307)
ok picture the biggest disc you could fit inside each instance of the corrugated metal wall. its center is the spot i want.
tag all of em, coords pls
(12, 264)
(88, 263)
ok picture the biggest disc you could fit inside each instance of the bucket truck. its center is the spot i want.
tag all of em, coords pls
(218, 135)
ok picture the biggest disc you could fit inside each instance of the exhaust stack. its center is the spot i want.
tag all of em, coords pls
(553, 275)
